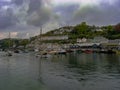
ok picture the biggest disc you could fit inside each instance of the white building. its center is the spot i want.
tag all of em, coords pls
(100, 40)
(54, 37)
(116, 41)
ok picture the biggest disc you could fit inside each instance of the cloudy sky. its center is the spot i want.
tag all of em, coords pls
(23, 18)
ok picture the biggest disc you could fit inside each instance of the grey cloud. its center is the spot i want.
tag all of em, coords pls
(21, 28)
(38, 14)
(39, 18)
(98, 15)
(31, 12)
(7, 19)
(102, 14)
(22, 35)
(18, 2)
(65, 13)
(34, 5)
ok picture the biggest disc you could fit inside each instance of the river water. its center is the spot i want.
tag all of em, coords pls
(65, 72)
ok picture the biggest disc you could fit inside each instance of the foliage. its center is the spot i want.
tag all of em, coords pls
(79, 31)
(13, 43)
(23, 42)
(117, 28)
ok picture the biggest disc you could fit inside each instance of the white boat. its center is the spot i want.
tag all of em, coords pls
(61, 51)
(58, 51)
(9, 53)
(43, 55)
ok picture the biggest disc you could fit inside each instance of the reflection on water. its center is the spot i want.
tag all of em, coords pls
(19, 72)
(70, 72)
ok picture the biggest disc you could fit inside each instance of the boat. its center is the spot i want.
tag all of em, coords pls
(43, 54)
(52, 52)
(69, 51)
(105, 51)
(57, 52)
(9, 53)
(88, 51)
(16, 51)
(61, 51)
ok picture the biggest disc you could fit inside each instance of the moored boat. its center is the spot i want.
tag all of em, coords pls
(88, 51)
(61, 51)
(107, 51)
(9, 53)
(69, 50)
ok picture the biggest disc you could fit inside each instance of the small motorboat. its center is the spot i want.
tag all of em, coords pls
(9, 53)
(62, 51)
(16, 51)
(88, 51)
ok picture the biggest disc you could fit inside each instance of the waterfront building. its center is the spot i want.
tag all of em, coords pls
(116, 41)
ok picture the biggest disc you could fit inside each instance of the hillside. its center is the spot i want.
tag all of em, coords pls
(83, 30)
(60, 31)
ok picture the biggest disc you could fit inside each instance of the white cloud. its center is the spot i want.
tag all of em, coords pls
(7, 0)
(81, 2)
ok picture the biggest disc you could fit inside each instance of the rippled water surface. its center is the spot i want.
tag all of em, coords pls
(65, 72)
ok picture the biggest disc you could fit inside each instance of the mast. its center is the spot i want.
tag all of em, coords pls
(40, 37)
(9, 53)
(9, 41)
(40, 33)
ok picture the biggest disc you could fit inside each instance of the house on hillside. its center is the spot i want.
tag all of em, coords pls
(83, 40)
(63, 30)
(100, 40)
(65, 37)
(90, 42)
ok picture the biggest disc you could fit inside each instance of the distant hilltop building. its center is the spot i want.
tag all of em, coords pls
(98, 29)
(65, 37)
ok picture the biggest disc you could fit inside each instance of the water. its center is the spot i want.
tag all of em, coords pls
(70, 72)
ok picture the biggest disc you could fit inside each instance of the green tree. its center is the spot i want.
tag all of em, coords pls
(24, 42)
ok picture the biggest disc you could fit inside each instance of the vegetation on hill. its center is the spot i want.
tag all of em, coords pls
(79, 31)
(86, 31)
(13, 43)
